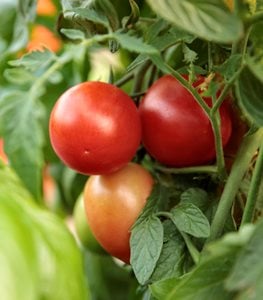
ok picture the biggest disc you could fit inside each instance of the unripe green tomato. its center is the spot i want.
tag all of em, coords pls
(83, 230)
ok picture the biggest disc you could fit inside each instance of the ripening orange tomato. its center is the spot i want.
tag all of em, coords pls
(46, 8)
(3, 156)
(113, 202)
(42, 37)
(230, 4)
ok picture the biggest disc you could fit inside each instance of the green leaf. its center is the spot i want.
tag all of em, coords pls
(196, 196)
(73, 34)
(190, 56)
(107, 8)
(161, 288)
(171, 36)
(18, 76)
(247, 274)
(21, 127)
(208, 20)
(146, 244)
(13, 25)
(35, 247)
(134, 15)
(17, 254)
(255, 65)
(134, 44)
(171, 260)
(89, 14)
(230, 66)
(55, 245)
(27, 9)
(249, 90)
(189, 218)
(207, 279)
(34, 60)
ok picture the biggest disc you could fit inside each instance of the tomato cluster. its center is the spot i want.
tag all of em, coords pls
(96, 129)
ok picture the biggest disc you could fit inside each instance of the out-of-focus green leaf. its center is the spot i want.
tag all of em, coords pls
(27, 8)
(134, 15)
(34, 60)
(18, 76)
(89, 14)
(13, 26)
(73, 34)
(21, 127)
(209, 19)
(230, 66)
(39, 256)
(255, 65)
(247, 274)
(249, 91)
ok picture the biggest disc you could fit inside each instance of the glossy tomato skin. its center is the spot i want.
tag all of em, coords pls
(176, 131)
(95, 128)
(83, 230)
(113, 202)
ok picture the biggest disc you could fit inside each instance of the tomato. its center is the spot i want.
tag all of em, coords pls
(83, 230)
(113, 202)
(175, 129)
(42, 37)
(95, 128)
(46, 8)
(49, 187)
(3, 156)
(230, 4)
(239, 130)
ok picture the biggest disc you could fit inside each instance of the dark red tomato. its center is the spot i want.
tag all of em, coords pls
(113, 202)
(239, 130)
(95, 128)
(176, 131)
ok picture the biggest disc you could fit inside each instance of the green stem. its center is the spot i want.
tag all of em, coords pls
(254, 188)
(191, 248)
(246, 151)
(215, 122)
(225, 90)
(139, 76)
(124, 79)
(188, 170)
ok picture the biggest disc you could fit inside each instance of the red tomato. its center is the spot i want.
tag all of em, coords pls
(176, 131)
(95, 128)
(239, 130)
(113, 202)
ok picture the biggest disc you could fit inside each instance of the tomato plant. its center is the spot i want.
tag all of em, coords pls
(176, 131)
(151, 109)
(95, 128)
(113, 202)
